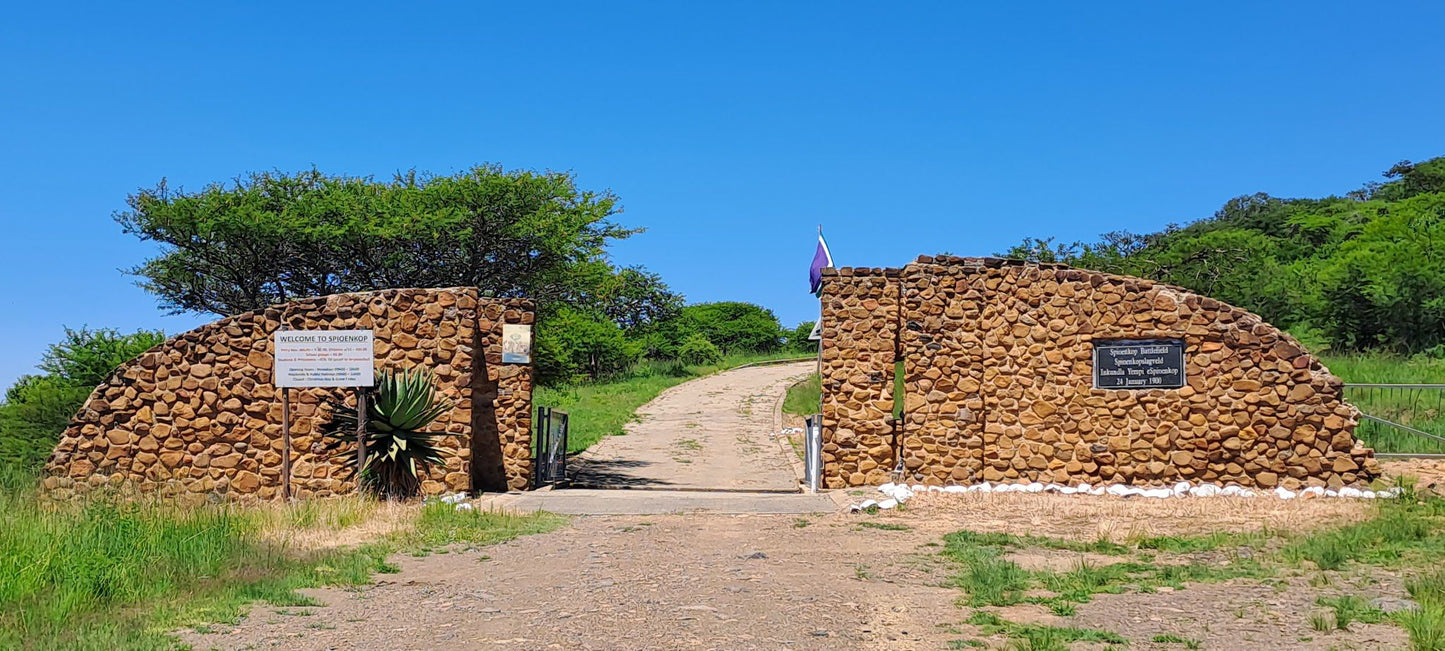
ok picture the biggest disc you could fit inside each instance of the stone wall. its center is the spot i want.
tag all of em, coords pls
(199, 415)
(859, 348)
(999, 384)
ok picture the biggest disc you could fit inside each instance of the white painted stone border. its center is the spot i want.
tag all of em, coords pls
(899, 493)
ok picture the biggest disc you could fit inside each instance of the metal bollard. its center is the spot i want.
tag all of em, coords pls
(813, 452)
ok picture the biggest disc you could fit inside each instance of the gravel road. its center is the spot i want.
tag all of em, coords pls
(710, 433)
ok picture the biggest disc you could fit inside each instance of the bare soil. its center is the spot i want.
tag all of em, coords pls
(629, 582)
(826, 582)
(1429, 474)
(1238, 615)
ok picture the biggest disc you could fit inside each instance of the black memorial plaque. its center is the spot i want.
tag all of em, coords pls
(1139, 364)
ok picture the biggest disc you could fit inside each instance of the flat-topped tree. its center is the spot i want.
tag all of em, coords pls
(270, 237)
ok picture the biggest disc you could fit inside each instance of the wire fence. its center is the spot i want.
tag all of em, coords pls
(1402, 419)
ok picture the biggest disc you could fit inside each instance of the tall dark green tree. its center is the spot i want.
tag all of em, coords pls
(38, 407)
(1363, 271)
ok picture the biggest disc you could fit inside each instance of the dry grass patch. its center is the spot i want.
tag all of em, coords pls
(321, 524)
(1091, 518)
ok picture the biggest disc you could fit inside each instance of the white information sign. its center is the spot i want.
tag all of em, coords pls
(516, 343)
(324, 358)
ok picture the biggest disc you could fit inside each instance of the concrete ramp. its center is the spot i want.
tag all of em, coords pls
(579, 501)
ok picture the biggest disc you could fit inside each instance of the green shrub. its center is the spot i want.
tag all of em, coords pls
(796, 340)
(574, 345)
(1359, 272)
(696, 349)
(38, 407)
(732, 327)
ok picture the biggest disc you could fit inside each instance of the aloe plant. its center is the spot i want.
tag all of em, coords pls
(398, 450)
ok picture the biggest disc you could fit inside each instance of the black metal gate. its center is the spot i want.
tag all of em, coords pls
(549, 458)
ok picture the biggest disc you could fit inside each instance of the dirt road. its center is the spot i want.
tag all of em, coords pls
(636, 582)
(710, 433)
(834, 581)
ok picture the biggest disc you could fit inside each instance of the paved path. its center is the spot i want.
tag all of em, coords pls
(580, 501)
(712, 433)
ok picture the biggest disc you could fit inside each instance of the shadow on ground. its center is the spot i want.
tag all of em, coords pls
(616, 473)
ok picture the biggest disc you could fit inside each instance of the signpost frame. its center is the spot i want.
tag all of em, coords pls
(322, 358)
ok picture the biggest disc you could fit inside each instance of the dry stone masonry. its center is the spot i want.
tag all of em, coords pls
(998, 366)
(199, 416)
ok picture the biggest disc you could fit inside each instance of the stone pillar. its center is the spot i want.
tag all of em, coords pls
(860, 339)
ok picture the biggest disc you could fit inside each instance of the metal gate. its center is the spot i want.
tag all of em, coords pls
(549, 458)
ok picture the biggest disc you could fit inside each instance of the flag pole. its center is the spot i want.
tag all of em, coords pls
(820, 341)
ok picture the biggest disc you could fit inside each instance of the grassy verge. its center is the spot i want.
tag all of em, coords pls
(108, 573)
(1405, 536)
(1420, 409)
(804, 397)
(1375, 368)
(600, 409)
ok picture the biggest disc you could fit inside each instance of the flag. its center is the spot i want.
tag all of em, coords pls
(822, 259)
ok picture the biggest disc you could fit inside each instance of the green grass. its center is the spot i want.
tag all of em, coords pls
(1038, 637)
(601, 409)
(1376, 368)
(803, 399)
(1404, 535)
(1405, 531)
(1209, 542)
(884, 526)
(1427, 625)
(107, 573)
(1170, 638)
(1422, 409)
(1348, 609)
(1100, 546)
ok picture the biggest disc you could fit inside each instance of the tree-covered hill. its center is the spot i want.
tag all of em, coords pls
(1361, 271)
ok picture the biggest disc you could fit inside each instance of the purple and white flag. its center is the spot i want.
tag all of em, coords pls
(822, 259)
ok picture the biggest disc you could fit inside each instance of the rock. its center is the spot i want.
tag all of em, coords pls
(246, 481)
(1391, 605)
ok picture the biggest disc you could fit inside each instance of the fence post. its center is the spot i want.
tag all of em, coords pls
(542, 428)
(813, 451)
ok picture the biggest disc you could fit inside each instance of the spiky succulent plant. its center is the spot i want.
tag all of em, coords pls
(399, 450)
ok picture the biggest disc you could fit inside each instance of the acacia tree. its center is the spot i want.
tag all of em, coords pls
(271, 237)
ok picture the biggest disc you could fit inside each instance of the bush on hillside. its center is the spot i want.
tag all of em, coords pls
(38, 407)
(796, 340)
(697, 350)
(732, 327)
(573, 345)
(1364, 271)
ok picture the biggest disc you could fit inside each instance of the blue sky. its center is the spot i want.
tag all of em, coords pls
(730, 130)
